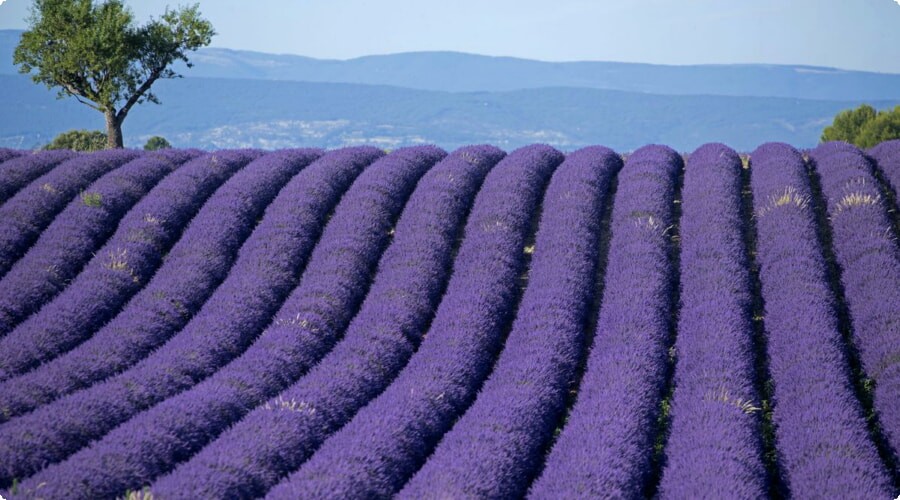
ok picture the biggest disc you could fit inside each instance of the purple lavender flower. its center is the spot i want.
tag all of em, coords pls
(377, 451)
(715, 448)
(494, 449)
(76, 233)
(144, 236)
(606, 446)
(869, 259)
(19, 170)
(887, 156)
(49, 333)
(337, 278)
(821, 435)
(277, 437)
(26, 214)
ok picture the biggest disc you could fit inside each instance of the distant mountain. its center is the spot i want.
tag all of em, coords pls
(456, 72)
(224, 113)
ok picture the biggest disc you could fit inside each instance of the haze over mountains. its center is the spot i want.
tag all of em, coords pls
(238, 98)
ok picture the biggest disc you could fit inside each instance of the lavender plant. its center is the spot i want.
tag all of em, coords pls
(278, 436)
(19, 170)
(26, 214)
(714, 449)
(869, 260)
(50, 333)
(96, 295)
(493, 450)
(326, 298)
(72, 238)
(606, 446)
(376, 452)
(820, 431)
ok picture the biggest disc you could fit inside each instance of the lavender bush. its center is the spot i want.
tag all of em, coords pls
(26, 214)
(606, 446)
(493, 450)
(70, 241)
(19, 170)
(50, 333)
(277, 437)
(820, 431)
(869, 259)
(714, 449)
(384, 444)
(193, 270)
(326, 298)
(887, 156)
(119, 270)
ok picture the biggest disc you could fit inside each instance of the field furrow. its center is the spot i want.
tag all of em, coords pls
(821, 434)
(363, 323)
(606, 446)
(715, 443)
(77, 233)
(335, 282)
(278, 436)
(498, 443)
(31, 210)
(868, 256)
(400, 427)
(19, 170)
(122, 268)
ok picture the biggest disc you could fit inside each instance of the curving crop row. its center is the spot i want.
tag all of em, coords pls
(494, 449)
(323, 303)
(376, 452)
(66, 322)
(19, 170)
(144, 235)
(192, 271)
(821, 434)
(869, 258)
(714, 448)
(26, 214)
(8, 154)
(70, 240)
(606, 446)
(887, 155)
(276, 438)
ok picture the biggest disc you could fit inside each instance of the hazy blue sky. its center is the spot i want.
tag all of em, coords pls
(852, 34)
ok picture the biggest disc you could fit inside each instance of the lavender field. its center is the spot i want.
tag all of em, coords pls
(356, 323)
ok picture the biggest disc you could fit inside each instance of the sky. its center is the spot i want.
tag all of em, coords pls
(854, 34)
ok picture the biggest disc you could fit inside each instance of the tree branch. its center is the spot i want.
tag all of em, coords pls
(78, 96)
(154, 75)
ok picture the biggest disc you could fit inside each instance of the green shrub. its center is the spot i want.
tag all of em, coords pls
(79, 140)
(156, 143)
(864, 126)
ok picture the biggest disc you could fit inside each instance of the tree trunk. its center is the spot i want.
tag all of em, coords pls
(113, 131)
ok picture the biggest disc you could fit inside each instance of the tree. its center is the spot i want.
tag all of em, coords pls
(864, 127)
(848, 124)
(95, 53)
(79, 140)
(156, 143)
(885, 127)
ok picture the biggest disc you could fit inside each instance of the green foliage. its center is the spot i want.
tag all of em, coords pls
(94, 200)
(79, 140)
(95, 53)
(156, 143)
(864, 126)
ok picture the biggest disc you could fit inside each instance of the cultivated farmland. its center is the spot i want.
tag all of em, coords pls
(358, 323)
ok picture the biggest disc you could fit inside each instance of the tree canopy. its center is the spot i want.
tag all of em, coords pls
(95, 53)
(864, 126)
(79, 140)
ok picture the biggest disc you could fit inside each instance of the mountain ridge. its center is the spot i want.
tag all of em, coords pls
(462, 72)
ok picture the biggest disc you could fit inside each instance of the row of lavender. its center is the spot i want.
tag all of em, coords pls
(162, 362)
